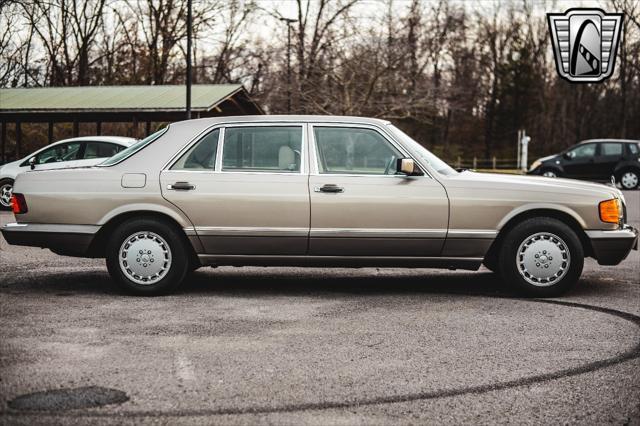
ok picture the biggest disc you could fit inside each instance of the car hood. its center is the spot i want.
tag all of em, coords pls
(536, 183)
(10, 169)
(547, 158)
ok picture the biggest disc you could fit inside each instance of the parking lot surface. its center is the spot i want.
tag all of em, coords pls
(292, 345)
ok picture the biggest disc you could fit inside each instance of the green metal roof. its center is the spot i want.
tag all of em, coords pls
(204, 97)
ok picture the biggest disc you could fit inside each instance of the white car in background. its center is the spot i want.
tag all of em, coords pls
(76, 152)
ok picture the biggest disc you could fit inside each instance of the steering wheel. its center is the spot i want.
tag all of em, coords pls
(389, 164)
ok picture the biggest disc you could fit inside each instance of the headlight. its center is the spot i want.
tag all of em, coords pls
(535, 165)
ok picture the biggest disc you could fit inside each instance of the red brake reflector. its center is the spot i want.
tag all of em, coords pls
(18, 203)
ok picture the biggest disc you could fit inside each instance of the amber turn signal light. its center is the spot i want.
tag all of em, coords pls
(18, 204)
(609, 211)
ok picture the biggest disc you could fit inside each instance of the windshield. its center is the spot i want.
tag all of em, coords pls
(437, 164)
(126, 153)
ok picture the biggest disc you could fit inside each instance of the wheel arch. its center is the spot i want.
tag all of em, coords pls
(561, 213)
(99, 242)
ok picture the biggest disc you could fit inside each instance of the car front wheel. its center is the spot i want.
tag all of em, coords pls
(147, 257)
(549, 173)
(6, 188)
(541, 257)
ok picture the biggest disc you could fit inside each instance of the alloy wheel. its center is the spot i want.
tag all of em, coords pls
(543, 259)
(145, 257)
(5, 194)
(629, 180)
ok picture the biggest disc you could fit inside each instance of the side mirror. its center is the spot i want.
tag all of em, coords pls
(32, 162)
(567, 156)
(407, 166)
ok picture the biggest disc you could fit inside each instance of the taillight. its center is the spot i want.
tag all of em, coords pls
(18, 203)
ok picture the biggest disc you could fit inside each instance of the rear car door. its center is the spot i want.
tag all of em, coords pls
(609, 155)
(244, 187)
(579, 161)
(359, 207)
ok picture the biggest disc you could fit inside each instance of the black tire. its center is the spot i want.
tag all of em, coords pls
(150, 229)
(510, 270)
(3, 185)
(622, 173)
(550, 170)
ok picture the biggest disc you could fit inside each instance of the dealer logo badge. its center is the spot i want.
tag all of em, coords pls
(585, 42)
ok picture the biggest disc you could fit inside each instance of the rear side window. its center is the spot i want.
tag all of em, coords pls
(262, 149)
(201, 156)
(611, 149)
(100, 150)
(126, 153)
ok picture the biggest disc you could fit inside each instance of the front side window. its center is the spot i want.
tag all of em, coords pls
(613, 149)
(201, 156)
(262, 149)
(61, 152)
(100, 150)
(634, 148)
(583, 151)
(343, 150)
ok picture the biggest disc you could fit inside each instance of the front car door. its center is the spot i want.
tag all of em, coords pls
(360, 207)
(58, 156)
(579, 161)
(244, 188)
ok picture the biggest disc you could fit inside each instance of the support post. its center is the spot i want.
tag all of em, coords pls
(134, 133)
(50, 132)
(76, 128)
(3, 148)
(18, 139)
(189, 23)
(99, 128)
(147, 129)
(475, 162)
(494, 162)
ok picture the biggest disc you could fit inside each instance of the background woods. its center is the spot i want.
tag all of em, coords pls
(461, 77)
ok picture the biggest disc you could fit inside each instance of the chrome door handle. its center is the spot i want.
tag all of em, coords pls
(181, 186)
(330, 188)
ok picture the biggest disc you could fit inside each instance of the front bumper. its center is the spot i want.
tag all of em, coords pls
(73, 240)
(612, 247)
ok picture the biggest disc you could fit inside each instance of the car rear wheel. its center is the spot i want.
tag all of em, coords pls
(541, 257)
(147, 257)
(629, 179)
(6, 188)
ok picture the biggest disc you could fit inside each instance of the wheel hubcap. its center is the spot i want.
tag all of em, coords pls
(549, 174)
(543, 259)
(5, 194)
(145, 257)
(629, 180)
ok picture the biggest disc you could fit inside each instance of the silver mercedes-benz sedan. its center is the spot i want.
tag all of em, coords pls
(312, 191)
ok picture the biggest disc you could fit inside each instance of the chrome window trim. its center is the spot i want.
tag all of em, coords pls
(303, 144)
(194, 140)
(314, 170)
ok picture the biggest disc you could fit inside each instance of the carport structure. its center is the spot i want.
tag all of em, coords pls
(115, 104)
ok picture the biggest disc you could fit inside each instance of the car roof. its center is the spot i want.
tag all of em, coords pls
(280, 118)
(610, 140)
(120, 140)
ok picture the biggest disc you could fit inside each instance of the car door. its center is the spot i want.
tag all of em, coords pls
(579, 161)
(244, 188)
(360, 207)
(609, 155)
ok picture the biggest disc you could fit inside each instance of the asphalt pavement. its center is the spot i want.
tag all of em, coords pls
(315, 346)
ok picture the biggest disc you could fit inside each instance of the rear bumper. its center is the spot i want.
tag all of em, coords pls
(71, 240)
(612, 247)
